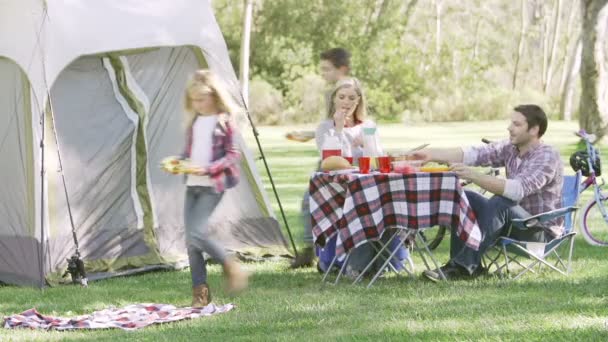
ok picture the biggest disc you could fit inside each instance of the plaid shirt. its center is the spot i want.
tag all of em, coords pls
(539, 171)
(223, 170)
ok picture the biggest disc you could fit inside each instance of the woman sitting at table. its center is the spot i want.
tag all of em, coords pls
(346, 119)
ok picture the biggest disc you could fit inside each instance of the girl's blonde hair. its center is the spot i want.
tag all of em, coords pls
(360, 111)
(205, 82)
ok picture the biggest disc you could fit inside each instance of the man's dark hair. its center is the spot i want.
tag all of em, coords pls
(339, 57)
(535, 117)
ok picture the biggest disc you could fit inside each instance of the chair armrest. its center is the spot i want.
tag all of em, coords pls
(536, 220)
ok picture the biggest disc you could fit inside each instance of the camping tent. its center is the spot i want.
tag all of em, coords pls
(98, 85)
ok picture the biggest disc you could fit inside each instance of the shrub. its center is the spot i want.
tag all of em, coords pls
(265, 103)
(306, 100)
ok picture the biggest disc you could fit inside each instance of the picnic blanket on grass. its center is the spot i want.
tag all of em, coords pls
(130, 317)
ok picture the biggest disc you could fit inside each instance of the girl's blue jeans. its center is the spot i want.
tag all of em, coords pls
(199, 205)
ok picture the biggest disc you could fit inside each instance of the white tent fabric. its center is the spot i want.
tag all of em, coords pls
(115, 72)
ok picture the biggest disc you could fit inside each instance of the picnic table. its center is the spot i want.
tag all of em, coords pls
(358, 208)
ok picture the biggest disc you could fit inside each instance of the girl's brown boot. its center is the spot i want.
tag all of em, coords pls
(200, 296)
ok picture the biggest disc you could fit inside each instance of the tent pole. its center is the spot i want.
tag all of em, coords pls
(274, 189)
(42, 203)
(75, 264)
(244, 76)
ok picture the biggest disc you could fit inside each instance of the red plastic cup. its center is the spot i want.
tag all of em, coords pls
(329, 153)
(384, 164)
(364, 164)
(350, 160)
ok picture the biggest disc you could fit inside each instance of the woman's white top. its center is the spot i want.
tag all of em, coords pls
(347, 137)
(201, 153)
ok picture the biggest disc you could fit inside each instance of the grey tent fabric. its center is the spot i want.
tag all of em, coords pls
(20, 251)
(110, 98)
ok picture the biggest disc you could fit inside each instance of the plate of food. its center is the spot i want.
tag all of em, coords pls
(406, 166)
(177, 165)
(434, 168)
(300, 136)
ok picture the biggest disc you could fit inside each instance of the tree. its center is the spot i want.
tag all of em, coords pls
(594, 78)
(566, 102)
(552, 56)
(520, 45)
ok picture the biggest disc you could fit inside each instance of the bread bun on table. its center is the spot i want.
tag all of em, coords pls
(333, 163)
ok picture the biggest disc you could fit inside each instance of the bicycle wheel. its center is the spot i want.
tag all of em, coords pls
(593, 226)
(432, 237)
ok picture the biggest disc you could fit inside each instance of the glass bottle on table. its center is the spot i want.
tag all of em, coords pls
(332, 146)
(370, 145)
(347, 153)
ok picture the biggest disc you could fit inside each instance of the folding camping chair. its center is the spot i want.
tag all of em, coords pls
(393, 253)
(530, 254)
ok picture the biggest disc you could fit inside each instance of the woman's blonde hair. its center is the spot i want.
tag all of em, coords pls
(360, 111)
(205, 82)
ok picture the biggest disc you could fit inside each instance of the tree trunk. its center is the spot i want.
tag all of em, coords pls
(569, 51)
(406, 15)
(566, 102)
(520, 45)
(544, 36)
(556, 34)
(244, 65)
(369, 20)
(438, 4)
(476, 42)
(374, 21)
(593, 112)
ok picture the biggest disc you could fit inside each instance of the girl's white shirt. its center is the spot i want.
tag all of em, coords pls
(202, 149)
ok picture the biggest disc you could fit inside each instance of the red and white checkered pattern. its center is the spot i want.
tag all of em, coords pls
(130, 317)
(360, 207)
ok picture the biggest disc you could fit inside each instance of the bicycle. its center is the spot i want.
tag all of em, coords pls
(438, 234)
(594, 221)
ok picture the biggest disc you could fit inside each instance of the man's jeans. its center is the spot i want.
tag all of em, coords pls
(494, 216)
(305, 214)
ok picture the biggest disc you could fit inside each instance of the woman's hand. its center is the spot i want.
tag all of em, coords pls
(339, 120)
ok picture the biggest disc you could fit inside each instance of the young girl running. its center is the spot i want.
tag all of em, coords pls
(209, 145)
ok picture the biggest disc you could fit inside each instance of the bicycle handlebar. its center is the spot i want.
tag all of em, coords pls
(586, 136)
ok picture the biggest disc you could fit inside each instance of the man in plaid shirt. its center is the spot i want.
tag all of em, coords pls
(533, 186)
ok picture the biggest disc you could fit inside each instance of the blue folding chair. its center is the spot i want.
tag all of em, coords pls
(531, 254)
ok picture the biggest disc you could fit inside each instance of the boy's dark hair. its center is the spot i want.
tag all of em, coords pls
(337, 56)
(535, 117)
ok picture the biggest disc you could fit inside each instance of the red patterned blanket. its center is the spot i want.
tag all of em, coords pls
(130, 317)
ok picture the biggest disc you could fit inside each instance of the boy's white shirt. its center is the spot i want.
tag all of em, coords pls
(201, 152)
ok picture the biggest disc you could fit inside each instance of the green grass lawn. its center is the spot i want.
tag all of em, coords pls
(292, 305)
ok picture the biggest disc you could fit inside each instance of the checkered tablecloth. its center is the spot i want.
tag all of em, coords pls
(360, 207)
